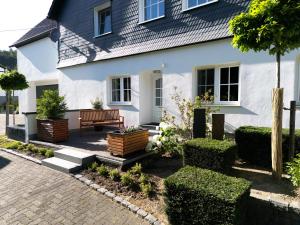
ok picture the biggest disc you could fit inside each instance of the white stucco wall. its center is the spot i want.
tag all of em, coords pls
(81, 84)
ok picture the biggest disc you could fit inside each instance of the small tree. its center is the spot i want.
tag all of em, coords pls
(273, 26)
(51, 105)
(12, 81)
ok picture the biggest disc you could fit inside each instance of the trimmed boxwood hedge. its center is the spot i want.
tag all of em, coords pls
(210, 154)
(254, 145)
(204, 197)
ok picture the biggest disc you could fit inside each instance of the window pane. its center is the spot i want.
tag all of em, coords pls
(210, 77)
(127, 95)
(224, 75)
(115, 83)
(192, 3)
(107, 22)
(148, 13)
(154, 2)
(147, 3)
(234, 92)
(210, 90)
(158, 102)
(158, 83)
(202, 1)
(201, 90)
(201, 77)
(234, 75)
(224, 93)
(116, 96)
(154, 11)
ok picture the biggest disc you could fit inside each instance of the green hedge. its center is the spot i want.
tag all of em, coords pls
(204, 197)
(254, 145)
(210, 154)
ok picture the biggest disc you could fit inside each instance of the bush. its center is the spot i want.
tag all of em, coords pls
(14, 145)
(103, 171)
(254, 145)
(209, 154)
(293, 169)
(144, 179)
(49, 153)
(204, 197)
(136, 169)
(114, 175)
(42, 151)
(127, 180)
(93, 166)
(146, 188)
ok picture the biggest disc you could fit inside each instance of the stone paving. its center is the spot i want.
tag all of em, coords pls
(33, 194)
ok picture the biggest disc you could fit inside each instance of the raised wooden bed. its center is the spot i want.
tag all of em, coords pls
(121, 144)
(53, 130)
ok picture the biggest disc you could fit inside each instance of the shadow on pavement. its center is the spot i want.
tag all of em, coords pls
(4, 162)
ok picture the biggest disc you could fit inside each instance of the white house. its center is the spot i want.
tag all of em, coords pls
(134, 64)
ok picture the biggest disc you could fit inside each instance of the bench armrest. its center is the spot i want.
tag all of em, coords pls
(121, 119)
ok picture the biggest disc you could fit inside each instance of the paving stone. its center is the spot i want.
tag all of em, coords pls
(110, 194)
(142, 213)
(133, 208)
(36, 195)
(118, 199)
(102, 190)
(95, 186)
(125, 203)
(151, 218)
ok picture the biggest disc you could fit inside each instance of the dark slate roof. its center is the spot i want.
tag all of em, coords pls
(41, 30)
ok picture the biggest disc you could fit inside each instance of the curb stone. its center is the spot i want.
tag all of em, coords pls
(133, 208)
(29, 158)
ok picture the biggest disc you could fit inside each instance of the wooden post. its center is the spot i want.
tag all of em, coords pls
(277, 108)
(7, 112)
(199, 126)
(292, 129)
(218, 124)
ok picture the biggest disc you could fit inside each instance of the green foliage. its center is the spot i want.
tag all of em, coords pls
(210, 154)
(272, 25)
(144, 179)
(12, 80)
(8, 59)
(103, 171)
(114, 174)
(136, 169)
(146, 188)
(93, 166)
(49, 153)
(293, 169)
(254, 145)
(127, 179)
(128, 130)
(51, 105)
(42, 151)
(97, 104)
(13, 145)
(204, 197)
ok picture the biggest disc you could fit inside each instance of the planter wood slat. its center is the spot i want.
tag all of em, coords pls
(53, 130)
(124, 144)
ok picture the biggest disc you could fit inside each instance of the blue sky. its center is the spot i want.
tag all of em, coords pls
(20, 15)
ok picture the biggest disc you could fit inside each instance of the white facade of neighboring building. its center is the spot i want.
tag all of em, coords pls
(176, 68)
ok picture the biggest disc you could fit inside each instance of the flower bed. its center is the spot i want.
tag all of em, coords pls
(35, 151)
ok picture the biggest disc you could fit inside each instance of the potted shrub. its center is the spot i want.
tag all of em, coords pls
(51, 125)
(127, 141)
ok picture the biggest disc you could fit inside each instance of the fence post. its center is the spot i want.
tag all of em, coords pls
(218, 124)
(292, 129)
(199, 126)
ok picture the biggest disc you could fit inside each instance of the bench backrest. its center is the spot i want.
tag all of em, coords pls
(99, 115)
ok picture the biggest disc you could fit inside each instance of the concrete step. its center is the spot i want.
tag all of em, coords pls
(75, 156)
(61, 165)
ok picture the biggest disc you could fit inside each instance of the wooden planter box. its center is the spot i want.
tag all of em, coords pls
(123, 144)
(53, 130)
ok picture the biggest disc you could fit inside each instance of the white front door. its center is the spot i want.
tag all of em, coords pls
(157, 98)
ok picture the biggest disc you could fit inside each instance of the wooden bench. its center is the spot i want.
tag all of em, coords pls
(90, 118)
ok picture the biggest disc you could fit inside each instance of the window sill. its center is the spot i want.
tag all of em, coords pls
(120, 104)
(101, 35)
(148, 21)
(218, 104)
(198, 6)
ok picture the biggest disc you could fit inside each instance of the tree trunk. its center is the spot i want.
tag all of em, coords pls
(277, 110)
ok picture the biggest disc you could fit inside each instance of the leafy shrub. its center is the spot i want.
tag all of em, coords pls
(51, 105)
(49, 153)
(146, 188)
(30, 147)
(42, 151)
(13, 145)
(93, 166)
(22, 148)
(127, 179)
(114, 174)
(97, 103)
(204, 197)
(136, 169)
(144, 179)
(293, 169)
(210, 154)
(103, 171)
(254, 145)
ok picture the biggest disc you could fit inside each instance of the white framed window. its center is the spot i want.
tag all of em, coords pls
(221, 82)
(121, 90)
(151, 10)
(102, 19)
(191, 4)
(158, 92)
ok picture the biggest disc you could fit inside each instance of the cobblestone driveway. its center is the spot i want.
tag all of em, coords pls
(33, 194)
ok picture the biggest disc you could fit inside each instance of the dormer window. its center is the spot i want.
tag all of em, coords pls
(151, 10)
(191, 4)
(102, 19)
